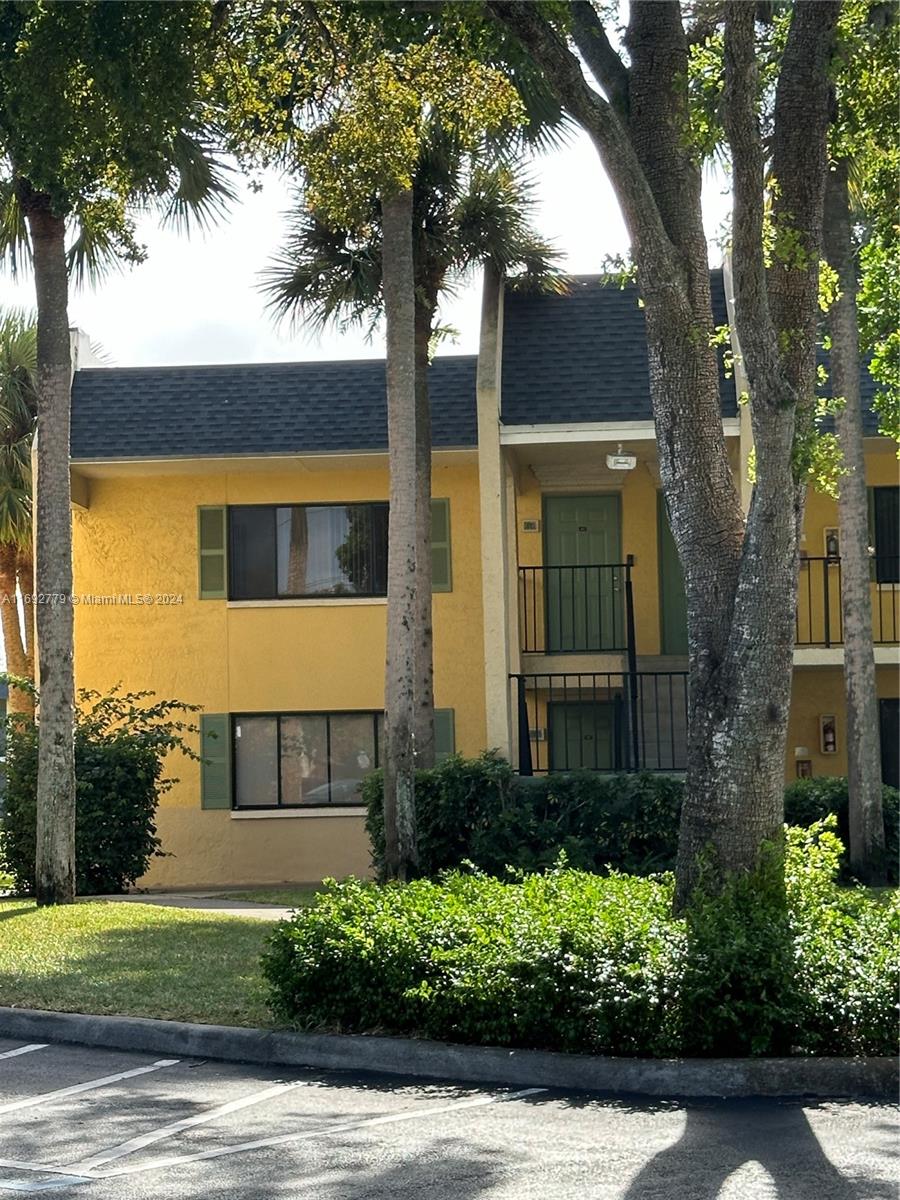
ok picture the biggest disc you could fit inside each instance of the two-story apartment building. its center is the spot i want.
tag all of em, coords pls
(230, 551)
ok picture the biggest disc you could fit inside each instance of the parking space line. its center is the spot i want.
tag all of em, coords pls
(24, 1050)
(40, 1185)
(147, 1139)
(88, 1086)
(321, 1132)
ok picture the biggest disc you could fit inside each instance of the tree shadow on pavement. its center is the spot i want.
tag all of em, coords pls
(720, 1138)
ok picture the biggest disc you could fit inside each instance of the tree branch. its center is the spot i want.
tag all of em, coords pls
(799, 166)
(604, 63)
(755, 329)
(551, 53)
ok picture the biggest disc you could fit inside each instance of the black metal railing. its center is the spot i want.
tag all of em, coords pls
(819, 620)
(601, 721)
(576, 609)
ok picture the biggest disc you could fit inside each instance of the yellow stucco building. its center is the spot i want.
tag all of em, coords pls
(230, 551)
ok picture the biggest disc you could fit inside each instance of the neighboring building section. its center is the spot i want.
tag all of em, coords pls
(231, 552)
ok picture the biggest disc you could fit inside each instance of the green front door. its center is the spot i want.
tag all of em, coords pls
(584, 587)
(582, 736)
(672, 601)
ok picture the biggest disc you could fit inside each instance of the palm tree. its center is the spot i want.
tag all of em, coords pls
(18, 416)
(467, 209)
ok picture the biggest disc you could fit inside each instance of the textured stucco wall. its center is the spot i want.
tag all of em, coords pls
(139, 536)
(819, 691)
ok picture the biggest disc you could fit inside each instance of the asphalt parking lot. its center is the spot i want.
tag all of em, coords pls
(109, 1125)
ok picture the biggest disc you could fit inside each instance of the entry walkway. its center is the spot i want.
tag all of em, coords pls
(207, 902)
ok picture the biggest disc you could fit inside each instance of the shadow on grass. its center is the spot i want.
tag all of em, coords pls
(134, 964)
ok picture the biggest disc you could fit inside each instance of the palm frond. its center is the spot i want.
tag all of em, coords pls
(18, 366)
(323, 276)
(15, 246)
(203, 190)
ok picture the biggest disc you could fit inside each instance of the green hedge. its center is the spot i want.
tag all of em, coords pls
(120, 744)
(479, 811)
(573, 961)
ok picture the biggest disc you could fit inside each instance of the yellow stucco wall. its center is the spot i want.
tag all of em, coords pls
(139, 537)
(819, 691)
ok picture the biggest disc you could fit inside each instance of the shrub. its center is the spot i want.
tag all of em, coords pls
(574, 961)
(478, 811)
(809, 800)
(120, 744)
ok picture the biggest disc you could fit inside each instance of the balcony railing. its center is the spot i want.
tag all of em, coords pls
(576, 609)
(601, 721)
(819, 621)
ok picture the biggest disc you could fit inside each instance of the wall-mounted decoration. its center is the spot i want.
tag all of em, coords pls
(828, 734)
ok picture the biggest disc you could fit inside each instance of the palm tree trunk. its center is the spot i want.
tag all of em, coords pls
(55, 851)
(16, 664)
(25, 572)
(867, 853)
(424, 719)
(401, 857)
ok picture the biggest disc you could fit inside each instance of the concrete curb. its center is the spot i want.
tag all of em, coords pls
(816, 1077)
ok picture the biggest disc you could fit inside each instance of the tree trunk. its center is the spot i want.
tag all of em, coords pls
(401, 859)
(16, 662)
(867, 853)
(25, 571)
(424, 721)
(55, 851)
(740, 585)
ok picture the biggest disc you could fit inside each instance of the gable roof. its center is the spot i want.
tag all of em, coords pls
(582, 356)
(240, 410)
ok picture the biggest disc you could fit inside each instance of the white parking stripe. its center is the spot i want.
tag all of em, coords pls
(88, 1086)
(156, 1164)
(164, 1131)
(24, 1050)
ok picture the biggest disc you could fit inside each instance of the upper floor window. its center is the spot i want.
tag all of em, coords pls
(297, 551)
(885, 527)
(307, 550)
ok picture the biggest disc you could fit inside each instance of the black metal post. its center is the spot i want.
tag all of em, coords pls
(632, 662)
(525, 764)
(826, 598)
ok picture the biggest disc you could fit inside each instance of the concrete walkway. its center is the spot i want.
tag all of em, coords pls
(206, 903)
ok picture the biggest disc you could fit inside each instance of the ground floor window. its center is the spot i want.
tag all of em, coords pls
(889, 712)
(295, 759)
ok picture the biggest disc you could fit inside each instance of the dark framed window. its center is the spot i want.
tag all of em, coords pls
(302, 760)
(885, 521)
(294, 551)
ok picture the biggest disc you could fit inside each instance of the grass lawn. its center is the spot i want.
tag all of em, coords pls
(287, 897)
(133, 959)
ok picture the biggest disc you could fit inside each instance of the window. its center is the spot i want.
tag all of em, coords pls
(885, 523)
(299, 550)
(294, 759)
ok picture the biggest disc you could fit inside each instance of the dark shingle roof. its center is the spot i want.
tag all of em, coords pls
(579, 357)
(255, 409)
(582, 356)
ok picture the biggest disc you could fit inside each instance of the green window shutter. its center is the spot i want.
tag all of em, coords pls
(444, 733)
(212, 553)
(215, 767)
(441, 573)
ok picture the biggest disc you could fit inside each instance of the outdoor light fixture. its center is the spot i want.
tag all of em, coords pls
(620, 461)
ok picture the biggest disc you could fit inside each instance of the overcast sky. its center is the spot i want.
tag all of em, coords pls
(196, 301)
